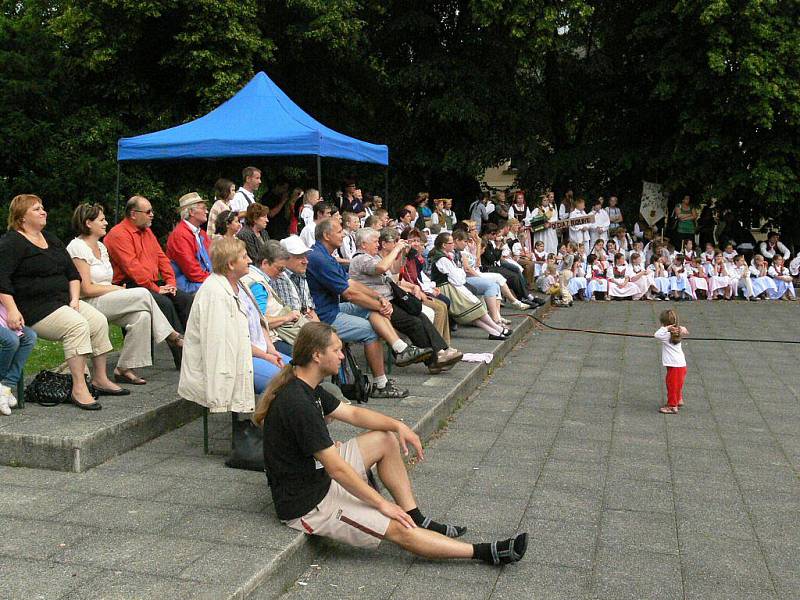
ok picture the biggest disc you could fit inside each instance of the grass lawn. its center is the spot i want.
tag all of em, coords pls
(48, 355)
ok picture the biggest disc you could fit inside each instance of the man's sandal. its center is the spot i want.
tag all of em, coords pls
(513, 552)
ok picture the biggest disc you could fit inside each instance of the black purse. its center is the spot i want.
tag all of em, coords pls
(405, 300)
(51, 389)
(247, 445)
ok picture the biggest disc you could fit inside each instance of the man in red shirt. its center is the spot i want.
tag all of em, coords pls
(188, 245)
(138, 261)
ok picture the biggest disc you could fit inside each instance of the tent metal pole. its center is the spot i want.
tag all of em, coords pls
(116, 197)
(319, 174)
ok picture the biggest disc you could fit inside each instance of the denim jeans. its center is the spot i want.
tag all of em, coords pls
(14, 352)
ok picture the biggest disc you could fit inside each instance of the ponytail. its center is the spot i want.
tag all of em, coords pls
(314, 337)
(265, 401)
(669, 318)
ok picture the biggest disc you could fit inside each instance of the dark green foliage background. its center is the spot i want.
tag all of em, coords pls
(701, 95)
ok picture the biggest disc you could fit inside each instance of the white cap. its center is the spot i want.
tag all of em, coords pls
(295, 245)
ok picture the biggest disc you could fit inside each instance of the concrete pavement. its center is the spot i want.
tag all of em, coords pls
(564, 441)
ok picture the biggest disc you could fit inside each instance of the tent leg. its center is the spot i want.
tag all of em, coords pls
(319, 174)
(116, 197)
(386, 188)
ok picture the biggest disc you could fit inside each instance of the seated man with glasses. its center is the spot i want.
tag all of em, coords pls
(139, 261)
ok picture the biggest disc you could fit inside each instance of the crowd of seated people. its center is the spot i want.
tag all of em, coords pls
(400, 285)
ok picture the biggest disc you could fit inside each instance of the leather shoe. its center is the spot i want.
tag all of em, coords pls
(104, 392)
(93, 406)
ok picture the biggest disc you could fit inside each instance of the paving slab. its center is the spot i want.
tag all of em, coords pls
(163, 520)
(619, 501)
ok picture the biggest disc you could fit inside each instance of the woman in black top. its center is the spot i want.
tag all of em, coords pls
(40, 287)
(254, 233)
(491, 259)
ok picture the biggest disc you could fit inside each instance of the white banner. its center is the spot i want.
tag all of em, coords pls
(654, 202)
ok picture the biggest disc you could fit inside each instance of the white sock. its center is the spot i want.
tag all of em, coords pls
(399, 346)
(380, 381)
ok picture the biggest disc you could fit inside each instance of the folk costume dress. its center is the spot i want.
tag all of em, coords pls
(642, 278)
(719, 280)
(697, 279)
(679, 279)
(761, 281)
(741, 275)
(618, 284)
(576, 282)
(450, 278)
(548, 235)
(660, 277)
(598, 278)
(781, 286)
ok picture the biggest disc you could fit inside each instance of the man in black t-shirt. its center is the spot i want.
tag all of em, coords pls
(320, 487)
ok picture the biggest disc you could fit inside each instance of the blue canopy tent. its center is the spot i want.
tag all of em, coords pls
(260, 120)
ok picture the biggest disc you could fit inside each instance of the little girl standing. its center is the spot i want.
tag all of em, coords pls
(672, 358)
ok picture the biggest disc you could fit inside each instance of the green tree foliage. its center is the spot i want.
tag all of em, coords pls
(702, 95)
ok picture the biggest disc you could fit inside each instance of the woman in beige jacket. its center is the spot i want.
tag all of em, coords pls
(217, 369)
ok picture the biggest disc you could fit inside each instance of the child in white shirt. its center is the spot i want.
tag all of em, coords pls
(672, 357)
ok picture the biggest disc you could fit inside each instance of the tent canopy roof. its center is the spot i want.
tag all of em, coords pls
(260, 120)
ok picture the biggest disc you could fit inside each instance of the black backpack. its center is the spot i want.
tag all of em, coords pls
(351, 380)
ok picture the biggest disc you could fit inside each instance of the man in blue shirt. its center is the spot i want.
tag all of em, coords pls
(362, 315)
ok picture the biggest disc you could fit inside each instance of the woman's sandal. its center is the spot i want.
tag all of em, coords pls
(668, 410)
(135, 380)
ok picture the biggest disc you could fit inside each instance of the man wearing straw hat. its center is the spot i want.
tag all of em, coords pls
(188, 245)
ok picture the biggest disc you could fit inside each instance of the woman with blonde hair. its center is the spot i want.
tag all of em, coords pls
(133, 309)
(40, 287)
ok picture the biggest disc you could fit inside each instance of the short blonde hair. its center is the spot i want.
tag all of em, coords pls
(224, 252)
(19, 206)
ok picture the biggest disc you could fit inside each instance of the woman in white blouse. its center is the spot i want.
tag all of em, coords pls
(132, 309)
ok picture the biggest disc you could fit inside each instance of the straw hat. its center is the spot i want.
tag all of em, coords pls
(189, 199)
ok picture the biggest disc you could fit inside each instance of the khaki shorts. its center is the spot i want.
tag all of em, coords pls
(340, 515)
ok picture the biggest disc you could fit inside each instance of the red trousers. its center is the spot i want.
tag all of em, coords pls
(675, 378)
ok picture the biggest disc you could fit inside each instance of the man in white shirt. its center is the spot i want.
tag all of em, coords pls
(245, 195)
(311, 197)
(773, 246)
(579, 233)
(322, 210)
(599, 229)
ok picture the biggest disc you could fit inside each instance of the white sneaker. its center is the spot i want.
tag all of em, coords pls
(6, 393)
(5, 409)
(521, 305)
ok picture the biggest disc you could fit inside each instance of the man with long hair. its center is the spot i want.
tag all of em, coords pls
(320, 487)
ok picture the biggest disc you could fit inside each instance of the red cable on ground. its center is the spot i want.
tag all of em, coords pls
(645, 335)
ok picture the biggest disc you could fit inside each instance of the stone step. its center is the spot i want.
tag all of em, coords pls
(65, 438)
(164, 520)
(434, 399)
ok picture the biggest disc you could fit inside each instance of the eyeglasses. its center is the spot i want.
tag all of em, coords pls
(147, 212)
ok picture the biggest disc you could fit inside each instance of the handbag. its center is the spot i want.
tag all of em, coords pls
(288, 332)
(247, 445)
(351, 380)
(49, 388)
(405, 300)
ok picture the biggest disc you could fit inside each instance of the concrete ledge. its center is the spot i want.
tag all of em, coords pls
(65, 438)
(272, 579)
(29, 443)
